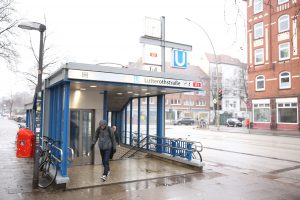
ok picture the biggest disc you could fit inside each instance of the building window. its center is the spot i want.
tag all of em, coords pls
(175, 102)
(226, 103)
(200, 103)
(261, 112)
(282, 1)
(144, 100)
(258, 30)
(284, 51)
(234, 104)
(283, 23)
(259, 56)
(287, 112)
(285, 80)
(188, 103)
(260, 83)
(258, 6)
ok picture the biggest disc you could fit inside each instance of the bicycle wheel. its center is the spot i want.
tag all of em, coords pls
(47, 173)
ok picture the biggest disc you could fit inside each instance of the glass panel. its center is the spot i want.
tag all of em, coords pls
(128, 125)
(285, 82)
(280, 105)
(258, 6)
(86, 132)
(262, 115)
(294, 104)
(123, 126)
(283, 23)
(287, 115)
(143, 127)
(284, 50)
(134, 121)
(153, 116)
(258, 30)
(260, 84)
(109, 119)
(74, 131)
(259, 56)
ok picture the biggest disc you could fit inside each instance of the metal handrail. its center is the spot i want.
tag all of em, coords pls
(133, 147)
(196, 146)
(180, 139)
(53, 145)
(61, 154)
(72, 153)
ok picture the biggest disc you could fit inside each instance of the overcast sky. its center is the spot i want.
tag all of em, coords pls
(96, 31)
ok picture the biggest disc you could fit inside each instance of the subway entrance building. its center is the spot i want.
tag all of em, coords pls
(77, 96)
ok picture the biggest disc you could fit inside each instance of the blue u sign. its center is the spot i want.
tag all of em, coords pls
(179, 58)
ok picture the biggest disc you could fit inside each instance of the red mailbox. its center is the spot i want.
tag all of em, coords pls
(25, 143)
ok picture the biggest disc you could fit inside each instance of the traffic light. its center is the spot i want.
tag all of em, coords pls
(220, 94)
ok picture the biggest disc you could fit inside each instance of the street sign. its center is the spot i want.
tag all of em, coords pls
(179, 59)
(214, 101)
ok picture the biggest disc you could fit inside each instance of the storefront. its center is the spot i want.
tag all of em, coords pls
(277, 113)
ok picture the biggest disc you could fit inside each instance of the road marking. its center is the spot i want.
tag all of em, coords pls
(284, 169)
(250, 154)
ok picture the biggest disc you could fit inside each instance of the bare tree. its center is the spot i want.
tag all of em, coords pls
(7, 31)
(244, 84)
(235, 18)
(9, 103)
(49, 64)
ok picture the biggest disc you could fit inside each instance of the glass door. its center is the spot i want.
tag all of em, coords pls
(81, 133)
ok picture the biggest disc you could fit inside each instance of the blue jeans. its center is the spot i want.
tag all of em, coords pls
(105, 154)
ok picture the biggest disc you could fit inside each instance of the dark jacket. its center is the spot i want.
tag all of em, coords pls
(105, 137)
(117, 137)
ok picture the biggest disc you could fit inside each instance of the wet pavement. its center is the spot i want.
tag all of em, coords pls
(125, 170)
(217, 181)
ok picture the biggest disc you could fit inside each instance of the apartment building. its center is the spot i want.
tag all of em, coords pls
(232, 75)
(273, 63)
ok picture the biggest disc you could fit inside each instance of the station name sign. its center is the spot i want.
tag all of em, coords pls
(133, 79)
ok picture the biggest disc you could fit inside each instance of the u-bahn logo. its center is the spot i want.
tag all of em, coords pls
(179, 59)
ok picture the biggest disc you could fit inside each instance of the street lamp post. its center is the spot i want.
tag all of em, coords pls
(217, 71)
(41, 28)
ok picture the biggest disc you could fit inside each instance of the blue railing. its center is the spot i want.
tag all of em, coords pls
(176, 147)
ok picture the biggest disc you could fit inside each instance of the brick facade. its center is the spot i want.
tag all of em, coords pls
(272, 65)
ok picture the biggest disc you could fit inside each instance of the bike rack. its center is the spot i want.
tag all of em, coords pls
(60, 150)
(61, 154)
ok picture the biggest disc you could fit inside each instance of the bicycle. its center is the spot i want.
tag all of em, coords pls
(47, 164)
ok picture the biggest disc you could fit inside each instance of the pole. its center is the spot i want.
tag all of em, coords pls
(38, 112)
(163, 46)
(163, 68)
(217, 72)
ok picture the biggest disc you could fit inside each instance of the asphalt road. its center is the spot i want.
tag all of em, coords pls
(275, 156)
(238, 166)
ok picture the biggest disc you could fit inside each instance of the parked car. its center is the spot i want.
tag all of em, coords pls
(186, 121)
(233, 122)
